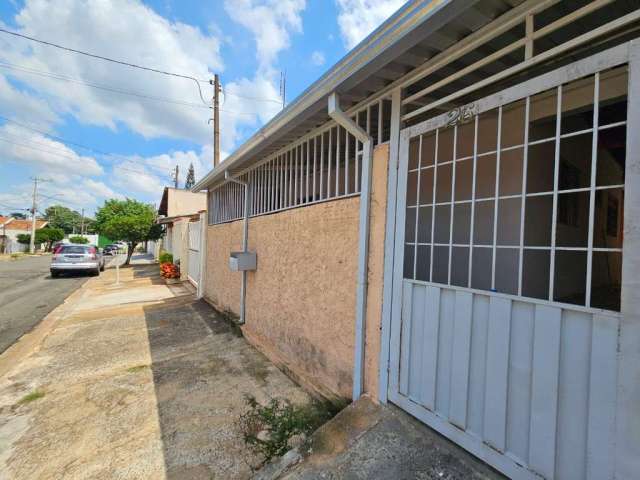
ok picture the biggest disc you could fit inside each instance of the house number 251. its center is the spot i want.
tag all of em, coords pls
(461, 114)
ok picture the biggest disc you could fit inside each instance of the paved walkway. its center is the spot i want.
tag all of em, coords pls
(136, 381)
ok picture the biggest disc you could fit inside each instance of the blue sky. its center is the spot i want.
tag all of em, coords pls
(47, 109)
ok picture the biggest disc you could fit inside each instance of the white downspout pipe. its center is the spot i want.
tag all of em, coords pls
(245, 241)
(363, 241)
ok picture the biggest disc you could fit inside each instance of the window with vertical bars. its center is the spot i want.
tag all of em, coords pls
(325, 165)
(526, 199)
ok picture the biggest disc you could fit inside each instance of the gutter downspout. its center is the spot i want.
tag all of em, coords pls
(363, 241)
(245, 238)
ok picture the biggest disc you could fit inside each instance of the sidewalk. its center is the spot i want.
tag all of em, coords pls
(132, 381)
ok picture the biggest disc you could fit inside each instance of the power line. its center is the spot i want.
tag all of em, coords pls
(78, 81)
(107, 59)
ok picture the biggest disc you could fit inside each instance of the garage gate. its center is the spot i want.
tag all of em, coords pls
(193, 261)
(505, 329)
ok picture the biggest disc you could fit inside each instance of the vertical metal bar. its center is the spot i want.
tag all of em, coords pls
(556, 174)
(290, 174)
(592, 186)
(329, 162)
(346, 163)
(415, 236)
(496, 204)
(338, 160)
(433, 203)
(380, 103)
(295, 175)
(321, 167)
(523, 203)
(280, 182)
(453, 192)
(369, 120)
(528, 46)
(301, 174)
(315, 166)
(473, 197)
(306, 199)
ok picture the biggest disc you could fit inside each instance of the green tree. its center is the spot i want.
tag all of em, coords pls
(18, 215)
(78, 239)
(62, 217)
(49, 235)
(191, 178)
(44, 235)
(127, 220)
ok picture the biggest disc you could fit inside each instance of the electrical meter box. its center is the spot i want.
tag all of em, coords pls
(242, 261)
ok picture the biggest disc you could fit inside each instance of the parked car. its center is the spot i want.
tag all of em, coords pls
(77, 258)
(111, 249)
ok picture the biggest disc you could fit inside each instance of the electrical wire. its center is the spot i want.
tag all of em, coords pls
(257, 99)
(107, 59)
(78, 81)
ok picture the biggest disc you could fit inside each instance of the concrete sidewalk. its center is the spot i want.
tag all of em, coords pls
(132, 381)
(368, 441)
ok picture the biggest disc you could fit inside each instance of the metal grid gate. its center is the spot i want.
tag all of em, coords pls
(193, 261)
(507, 279)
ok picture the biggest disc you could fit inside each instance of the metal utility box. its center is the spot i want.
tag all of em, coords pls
(240, 261)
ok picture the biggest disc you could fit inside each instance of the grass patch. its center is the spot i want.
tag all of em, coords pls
(281, 420)
(137, 368)
(31, 397)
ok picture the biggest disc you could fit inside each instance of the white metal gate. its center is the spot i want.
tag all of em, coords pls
(193, 262)
(505, 323)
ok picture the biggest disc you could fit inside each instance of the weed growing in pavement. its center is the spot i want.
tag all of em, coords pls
(268, 428)
(31, 397)
(137, 368)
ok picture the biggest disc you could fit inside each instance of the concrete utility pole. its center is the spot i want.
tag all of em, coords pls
(32, 240)
(82, 222)
(175, 176)
(216, 120)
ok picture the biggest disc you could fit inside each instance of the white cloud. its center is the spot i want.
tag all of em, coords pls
(122, 29)
(49, 156)
(358, 18)
(317, 58)
(101, 190)
(270, 21)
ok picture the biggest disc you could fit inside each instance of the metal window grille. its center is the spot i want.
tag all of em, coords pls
(485, 199)
(324, 165)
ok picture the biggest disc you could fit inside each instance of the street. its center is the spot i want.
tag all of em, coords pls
(28, 294)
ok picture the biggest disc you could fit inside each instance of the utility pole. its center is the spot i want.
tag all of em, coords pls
(175, 175)
(82, 222)
(216, 120)
(32, 240)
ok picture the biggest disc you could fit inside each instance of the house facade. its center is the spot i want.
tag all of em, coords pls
(447, 221)
(180, 212)
(11, 227)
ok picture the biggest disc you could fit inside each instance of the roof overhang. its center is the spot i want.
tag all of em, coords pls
(358, 75)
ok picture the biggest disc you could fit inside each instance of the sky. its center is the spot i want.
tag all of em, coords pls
(94, 130)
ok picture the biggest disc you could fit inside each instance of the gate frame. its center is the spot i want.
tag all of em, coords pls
(627, 434)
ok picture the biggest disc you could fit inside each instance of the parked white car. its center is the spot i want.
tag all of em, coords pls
(77, 258)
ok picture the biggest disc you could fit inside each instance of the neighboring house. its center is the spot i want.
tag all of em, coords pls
(462, 240)
(180, 211)
(4, 241)
(14, 227)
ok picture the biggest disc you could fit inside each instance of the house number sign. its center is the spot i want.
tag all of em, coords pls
(461, 115)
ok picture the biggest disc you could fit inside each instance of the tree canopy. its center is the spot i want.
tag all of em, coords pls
(127, 220)
(46, 235)
(68, 220)
(191, 178)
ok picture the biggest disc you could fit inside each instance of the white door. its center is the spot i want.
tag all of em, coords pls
(507, 285)
(193, 262)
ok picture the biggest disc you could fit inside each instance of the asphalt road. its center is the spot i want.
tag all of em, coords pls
(28, 294)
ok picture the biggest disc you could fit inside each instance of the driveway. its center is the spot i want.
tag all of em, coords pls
(28, 294)
(132, 381)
